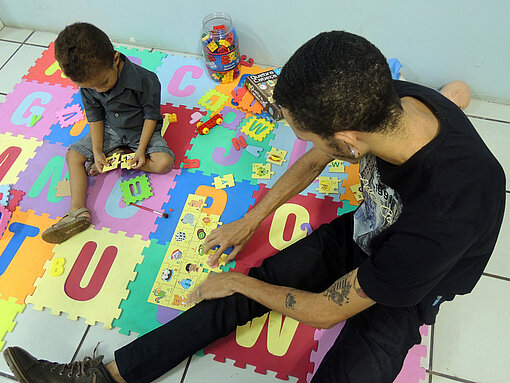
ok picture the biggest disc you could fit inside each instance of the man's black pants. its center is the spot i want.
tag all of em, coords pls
(371, 347)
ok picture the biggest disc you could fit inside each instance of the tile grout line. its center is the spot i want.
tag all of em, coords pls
(431, 350)
(16, 51)
(454, 378)
(488, 119)
(81, 343)
(4, 375)
(496, 277)
(186, 369)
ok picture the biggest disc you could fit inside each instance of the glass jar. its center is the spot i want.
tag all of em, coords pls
(220, 46)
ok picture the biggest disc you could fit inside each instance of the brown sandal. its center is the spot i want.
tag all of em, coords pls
(62, 231)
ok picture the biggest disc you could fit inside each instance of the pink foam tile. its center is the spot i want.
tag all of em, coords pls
(104, 199)
(31, 109)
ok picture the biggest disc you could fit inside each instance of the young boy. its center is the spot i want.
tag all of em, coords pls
(122, 104)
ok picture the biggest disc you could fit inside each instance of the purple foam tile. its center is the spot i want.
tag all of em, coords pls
(31, 109)
(40, 178)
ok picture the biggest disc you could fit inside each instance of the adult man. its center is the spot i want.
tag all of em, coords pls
(420, 237)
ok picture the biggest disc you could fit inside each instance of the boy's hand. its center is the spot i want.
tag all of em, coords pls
(138, 159)
(100, 161)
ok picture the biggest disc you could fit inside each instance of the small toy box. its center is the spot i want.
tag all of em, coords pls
(261, 85)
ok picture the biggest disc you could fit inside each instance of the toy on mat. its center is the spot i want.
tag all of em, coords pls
(125, 161)
(205, 127)
(184, 265)
(113, 162)
(63, 188)
(168, 118)
(328, 185)
(276, 156)
(223, 182)
(261, 171)
(160, 213)
(136, 189)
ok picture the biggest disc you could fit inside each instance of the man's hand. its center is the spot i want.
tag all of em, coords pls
(138, 159)
(234, 234)
(215, 286)
(100, 161)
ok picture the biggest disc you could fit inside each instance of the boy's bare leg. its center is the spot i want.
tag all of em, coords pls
(159, 162)
(77, 179)
(114, 372)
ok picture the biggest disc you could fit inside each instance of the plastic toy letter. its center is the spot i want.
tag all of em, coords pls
(175, 82)
(279, 336)
(17, 117)
(280, 218)
(72, 286)
(21, 231)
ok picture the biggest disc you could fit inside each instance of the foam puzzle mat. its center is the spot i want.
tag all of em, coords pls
(115, 273)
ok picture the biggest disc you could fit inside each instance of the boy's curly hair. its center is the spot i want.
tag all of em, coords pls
(82, 50)
(338, 81)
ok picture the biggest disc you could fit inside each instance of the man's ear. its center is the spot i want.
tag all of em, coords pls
(350, 137)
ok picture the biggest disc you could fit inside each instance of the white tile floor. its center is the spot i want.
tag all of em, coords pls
(469, 342)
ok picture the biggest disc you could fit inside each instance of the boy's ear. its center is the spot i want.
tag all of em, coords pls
(116, 58)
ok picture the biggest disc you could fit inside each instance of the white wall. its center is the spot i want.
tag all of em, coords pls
(437, 41)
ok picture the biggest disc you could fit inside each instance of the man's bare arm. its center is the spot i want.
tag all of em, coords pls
(295, 179)
(342, 300)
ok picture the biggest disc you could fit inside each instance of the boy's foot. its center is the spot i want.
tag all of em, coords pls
(28, 369)
(70, 224)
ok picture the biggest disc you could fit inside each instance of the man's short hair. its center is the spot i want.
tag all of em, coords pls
(338, 81)
(82, 50)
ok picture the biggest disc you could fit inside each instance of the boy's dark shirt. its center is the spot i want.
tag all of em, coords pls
(446, 204)
(135, 97)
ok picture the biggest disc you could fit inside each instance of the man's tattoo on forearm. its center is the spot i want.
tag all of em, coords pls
(358, 288)
(290, 300)
(339, 291)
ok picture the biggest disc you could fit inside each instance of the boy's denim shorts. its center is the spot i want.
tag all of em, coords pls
(114, 138)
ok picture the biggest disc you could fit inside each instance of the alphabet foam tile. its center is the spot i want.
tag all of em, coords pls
(213, 100)
(15, 151)
(47, 70)
(257, 128)
(31, 108)
(325, 338)
(5, 217)
(234, 207)
(150, 60)
(109, 210)
(70, 115)
(115, 257)
(8, 311)
(136, 189)
(68, 136)
(270, 342)
(4, 194)
(179, 134)
(275, 234)
(184, 80)
(41, 178)
(231, 117)
(225, 158)
(23, 254)
(138, 315)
